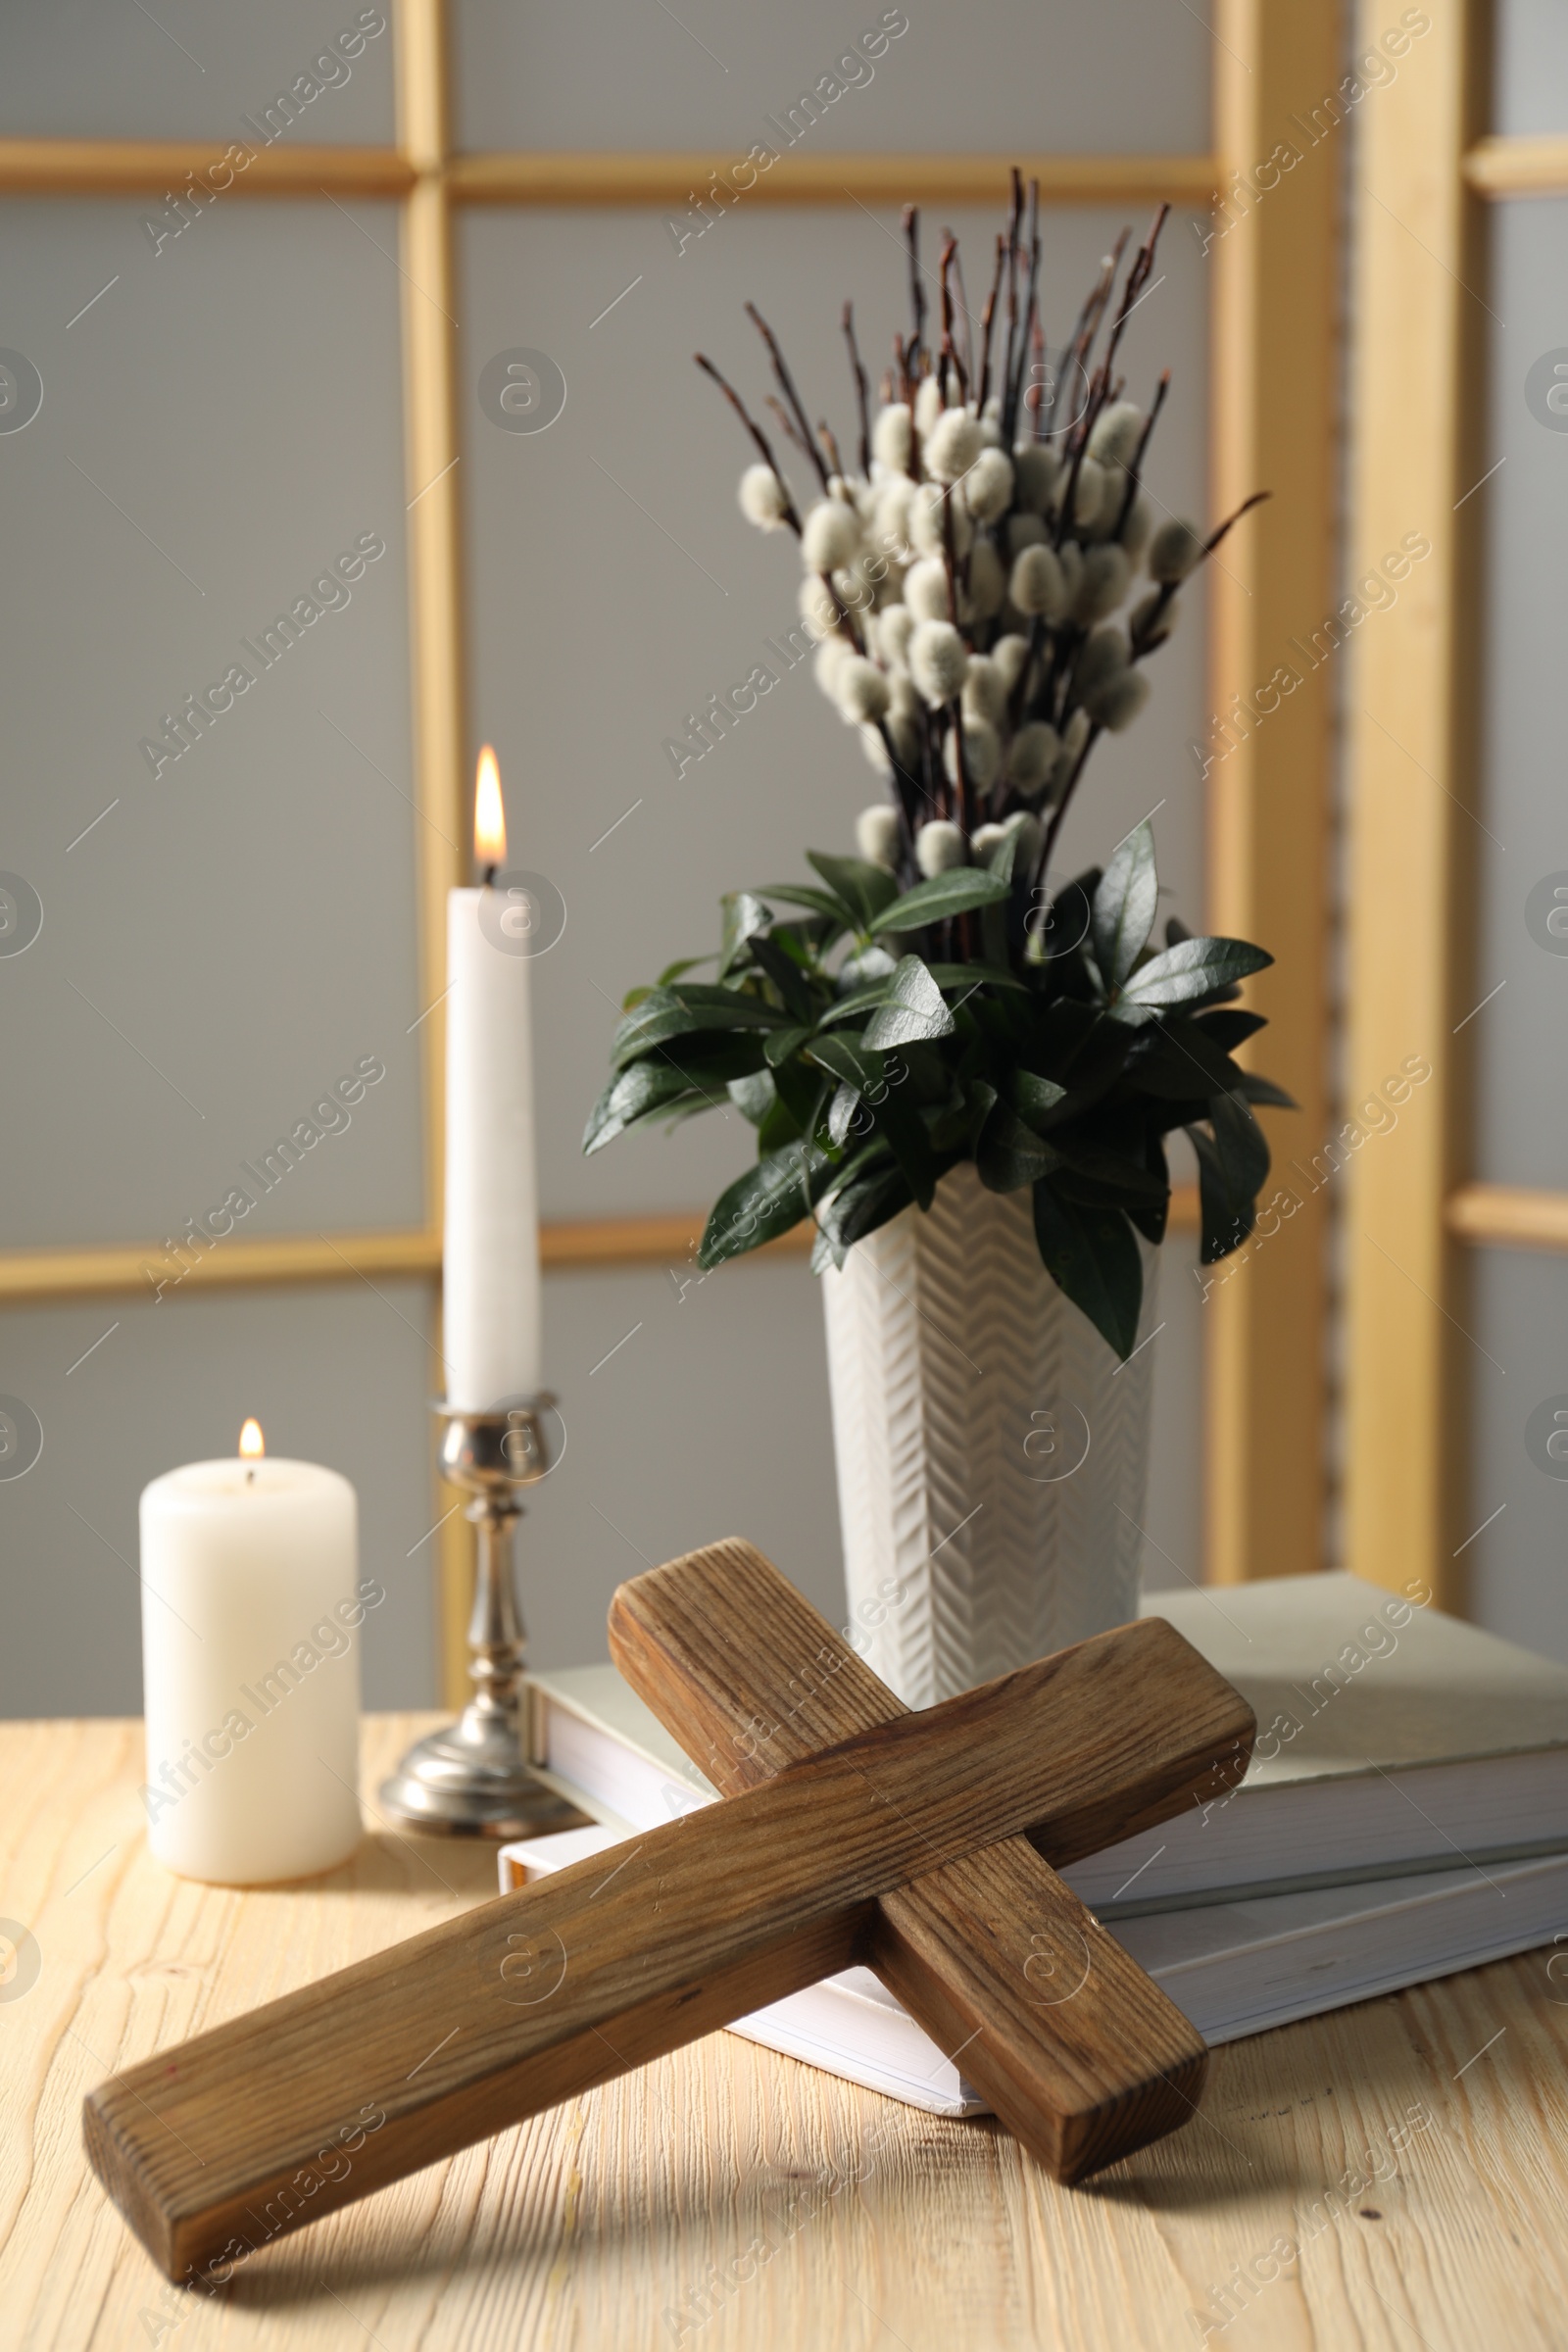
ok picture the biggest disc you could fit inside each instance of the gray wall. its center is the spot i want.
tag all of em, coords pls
(221, 417)
(1515, 1352)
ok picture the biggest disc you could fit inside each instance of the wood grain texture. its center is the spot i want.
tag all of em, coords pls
(1079, 2053)
(135, 167)
(1420, 301)
(243, 2131)
(724, 2197)
(1274, 258)
(156, 166)
(666, 177)
(1498, 167)
(1514, 1214)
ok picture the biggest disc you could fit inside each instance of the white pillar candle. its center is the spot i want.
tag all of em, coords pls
(251, 1609)
(490, 1303)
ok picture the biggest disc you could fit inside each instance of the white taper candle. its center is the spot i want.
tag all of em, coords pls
(491, 1254)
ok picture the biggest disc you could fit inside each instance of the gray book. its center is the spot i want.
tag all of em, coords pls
(1391, 1738)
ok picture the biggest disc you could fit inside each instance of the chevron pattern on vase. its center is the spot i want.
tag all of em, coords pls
(992, 1453)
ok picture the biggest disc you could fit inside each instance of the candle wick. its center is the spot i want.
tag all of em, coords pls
(250, 1478)
(488, 876)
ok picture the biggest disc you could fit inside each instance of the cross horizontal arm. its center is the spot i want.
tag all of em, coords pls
(1082, 2055)
(246, 2130)
(752, 1680)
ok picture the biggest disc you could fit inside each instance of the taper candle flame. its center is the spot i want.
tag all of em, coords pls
(252, 1444)
(489, 816)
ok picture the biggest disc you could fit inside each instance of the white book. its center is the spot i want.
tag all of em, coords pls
(1233, 1968)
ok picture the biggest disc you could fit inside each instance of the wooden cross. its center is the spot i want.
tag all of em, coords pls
(851, 1831)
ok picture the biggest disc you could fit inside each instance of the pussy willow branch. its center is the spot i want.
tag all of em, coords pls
(1135, 472)
(966, 323)
(1168, 588)
(760, 438)
(1058, 814)
(786, 384)
(1014, 391)
(862, 393)
(1013, 227)
(988, 318)
(1076, 354)
(785, 425)
(911, 239)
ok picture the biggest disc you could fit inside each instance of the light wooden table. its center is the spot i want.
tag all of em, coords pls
(728, 2198)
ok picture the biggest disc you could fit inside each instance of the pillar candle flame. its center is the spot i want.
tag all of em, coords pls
(489, 816)
(251, 1443)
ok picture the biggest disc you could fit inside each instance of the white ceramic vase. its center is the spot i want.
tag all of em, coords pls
(992, 1452)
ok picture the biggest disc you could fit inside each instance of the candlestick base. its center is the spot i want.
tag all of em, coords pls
(473, 1780)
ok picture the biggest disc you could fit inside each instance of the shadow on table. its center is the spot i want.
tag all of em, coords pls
(389, 1861)
(1282, 2113)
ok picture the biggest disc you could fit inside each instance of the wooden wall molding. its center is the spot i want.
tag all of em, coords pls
(1270, 768)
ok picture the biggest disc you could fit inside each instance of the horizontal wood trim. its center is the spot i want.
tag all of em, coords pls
(1509, 1213)
(1518, 167)
(39, 1277)
(159, 166)
(824, 178)
(33, 1277)
(642, 1241)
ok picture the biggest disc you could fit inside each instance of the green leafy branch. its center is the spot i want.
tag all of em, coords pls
(870, 1063)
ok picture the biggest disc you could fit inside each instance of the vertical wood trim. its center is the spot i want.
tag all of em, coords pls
(1274, 402)
(1420, 336)
(436, 650)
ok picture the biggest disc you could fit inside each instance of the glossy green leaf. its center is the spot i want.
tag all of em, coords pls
(1008, 1154)
(745, 918)
(801, 894)
(636, 1094)
(1255, 1088)
(1092, 1255)
(672, 971)
(860, 888)
(1232, 1164)
(1178, 1060)
(1191, 969)
(856, 1065)
(858, 1208)
(684, 1012)
(782, 1044)
(1151, 1217)
(977, 975)
(1034, 1098)
(944, 895)
(765, 1202)
(771, 957)
(912, 1009)
(845, 1102)
(1230, 1027)
(1124, 908)
(753, 1097)
(1241, 1142)
(804, 1092)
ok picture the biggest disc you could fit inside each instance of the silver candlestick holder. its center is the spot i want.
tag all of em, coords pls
(473, 1780)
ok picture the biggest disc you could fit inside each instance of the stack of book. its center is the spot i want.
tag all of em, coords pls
(1405, 1814)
